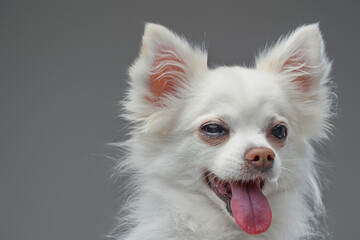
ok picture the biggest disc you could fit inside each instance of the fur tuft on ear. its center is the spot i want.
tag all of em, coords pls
(302, 68)
(166, 67)
(167, 74)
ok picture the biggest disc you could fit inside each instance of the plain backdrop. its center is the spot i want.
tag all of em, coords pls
(63, 69)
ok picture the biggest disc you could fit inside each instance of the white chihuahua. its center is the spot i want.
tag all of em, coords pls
(225, 153)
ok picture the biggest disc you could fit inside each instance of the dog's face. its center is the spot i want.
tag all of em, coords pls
(233, 135)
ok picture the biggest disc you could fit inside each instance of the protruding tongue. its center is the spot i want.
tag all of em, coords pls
(250, 207)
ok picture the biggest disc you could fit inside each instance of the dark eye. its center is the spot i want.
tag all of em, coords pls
(214, 130)
(279, 131)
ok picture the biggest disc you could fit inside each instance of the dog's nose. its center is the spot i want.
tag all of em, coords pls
(262, 158)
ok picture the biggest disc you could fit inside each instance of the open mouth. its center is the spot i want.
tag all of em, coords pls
(244, 201)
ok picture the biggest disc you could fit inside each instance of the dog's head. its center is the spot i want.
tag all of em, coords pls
(233, 135)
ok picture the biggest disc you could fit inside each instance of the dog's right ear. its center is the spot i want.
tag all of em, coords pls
(166, 66)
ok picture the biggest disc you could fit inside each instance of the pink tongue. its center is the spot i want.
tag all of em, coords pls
(250, 208)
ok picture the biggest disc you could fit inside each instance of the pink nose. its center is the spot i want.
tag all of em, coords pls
(262, 158)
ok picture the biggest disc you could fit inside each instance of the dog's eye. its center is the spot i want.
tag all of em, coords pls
(214, 130)
(279, 131)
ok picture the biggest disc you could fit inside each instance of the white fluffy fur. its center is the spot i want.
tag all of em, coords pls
(167, 160)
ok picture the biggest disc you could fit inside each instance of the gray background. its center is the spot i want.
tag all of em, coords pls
(62, 70)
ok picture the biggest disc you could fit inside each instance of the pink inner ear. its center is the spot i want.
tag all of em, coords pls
(298, 66)
(167, 74)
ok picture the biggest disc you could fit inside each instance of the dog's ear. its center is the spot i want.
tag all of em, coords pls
(166, 66)
(301, 67)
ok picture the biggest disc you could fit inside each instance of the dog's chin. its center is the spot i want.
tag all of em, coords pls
(244, 201)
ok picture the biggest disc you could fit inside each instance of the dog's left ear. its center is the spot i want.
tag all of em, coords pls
(301, 67)
(164, 70)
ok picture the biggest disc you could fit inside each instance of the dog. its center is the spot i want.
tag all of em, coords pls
(226, 152)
